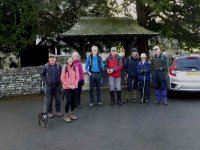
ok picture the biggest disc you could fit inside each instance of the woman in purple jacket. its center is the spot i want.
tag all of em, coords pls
(77, 63)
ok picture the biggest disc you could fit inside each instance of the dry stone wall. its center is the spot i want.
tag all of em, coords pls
(20, 81)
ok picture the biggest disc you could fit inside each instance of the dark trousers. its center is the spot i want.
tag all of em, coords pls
(95, 81)
(70, 99)
(132, 83)
(146, 88)
(78, 93)
(160, 84)
(51, 91)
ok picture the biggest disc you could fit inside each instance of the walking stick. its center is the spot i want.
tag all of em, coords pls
(45, 99)
(143, 88)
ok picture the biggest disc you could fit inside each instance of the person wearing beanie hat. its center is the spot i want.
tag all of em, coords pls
(114, 67)
(134, 49)
(158, 65)
(132, 76)
(143, 70)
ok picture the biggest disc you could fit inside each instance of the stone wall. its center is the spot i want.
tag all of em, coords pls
(23, 81)
(20, 81)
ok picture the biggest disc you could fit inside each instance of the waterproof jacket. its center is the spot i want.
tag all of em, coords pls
(143, 70)
(78, 64)
(131, 66)
(50, 74)
(69, 76)
(114, 63)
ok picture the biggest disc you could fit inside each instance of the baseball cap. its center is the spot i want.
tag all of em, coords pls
(113, 49)
(143, 55)
(51, 55)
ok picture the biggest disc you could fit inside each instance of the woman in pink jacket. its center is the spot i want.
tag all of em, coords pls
(70, 79)
(77, 63)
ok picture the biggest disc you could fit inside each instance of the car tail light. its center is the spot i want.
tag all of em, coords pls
(172, 70)
(192, 57)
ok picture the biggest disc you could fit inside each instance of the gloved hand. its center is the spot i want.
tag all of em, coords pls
(143, 71)
(82, 82)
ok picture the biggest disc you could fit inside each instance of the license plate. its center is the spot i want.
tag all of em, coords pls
(193, 73)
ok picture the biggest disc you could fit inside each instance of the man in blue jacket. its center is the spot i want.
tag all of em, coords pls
(132, 76)
(50, 74)
(94, 67)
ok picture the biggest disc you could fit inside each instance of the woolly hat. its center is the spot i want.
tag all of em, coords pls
(133, 49)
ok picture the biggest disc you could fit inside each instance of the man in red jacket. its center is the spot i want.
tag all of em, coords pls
(114, 66)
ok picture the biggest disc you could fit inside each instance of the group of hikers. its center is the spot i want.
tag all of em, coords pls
(138, 69)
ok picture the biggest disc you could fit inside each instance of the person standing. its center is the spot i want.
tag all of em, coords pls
(143, 70)
(114, 67)
(50, 74)
(159, 65)
(94, 67)
(132, 76)
(70, 79)
(77, 63)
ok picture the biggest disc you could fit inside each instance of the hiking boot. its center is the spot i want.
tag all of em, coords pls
(72, 116)
(112, 96)
(79, 106)
(165, 103)
(50, 115)
(100, 103)
(134, 95)
(134, 101)
(91, 104)
(67, 118)
(119, 101)
(112, 103)
(127, 96)
(59, 114)
(125, 100)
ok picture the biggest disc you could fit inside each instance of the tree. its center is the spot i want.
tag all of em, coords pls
(179, 19)
(17, 24)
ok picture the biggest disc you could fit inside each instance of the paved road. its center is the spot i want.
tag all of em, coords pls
(127, 127)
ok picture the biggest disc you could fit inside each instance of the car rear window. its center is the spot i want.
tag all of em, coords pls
(188, 63)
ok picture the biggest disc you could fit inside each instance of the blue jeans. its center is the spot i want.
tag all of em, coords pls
(53, 90)
(95, 81)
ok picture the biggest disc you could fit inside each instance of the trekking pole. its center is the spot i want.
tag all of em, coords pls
(143, 88)
(45, 98)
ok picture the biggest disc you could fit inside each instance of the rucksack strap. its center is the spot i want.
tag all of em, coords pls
(99, 62)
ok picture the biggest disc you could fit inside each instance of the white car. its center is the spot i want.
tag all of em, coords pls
(184, 74)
